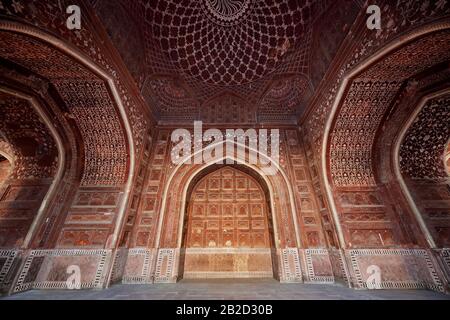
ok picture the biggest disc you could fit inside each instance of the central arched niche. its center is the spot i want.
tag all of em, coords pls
(228, 229)
(169, 261)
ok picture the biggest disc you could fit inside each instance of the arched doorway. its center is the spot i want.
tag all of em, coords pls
(228, 230)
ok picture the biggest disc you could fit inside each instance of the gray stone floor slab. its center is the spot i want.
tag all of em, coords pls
(229, 290)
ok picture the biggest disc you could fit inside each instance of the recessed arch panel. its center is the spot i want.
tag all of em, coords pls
(228, 230)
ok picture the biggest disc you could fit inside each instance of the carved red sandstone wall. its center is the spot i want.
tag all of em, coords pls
(147, 230)
(105, 163)
(370, 216)
(232, 203)
(397, 20)
(175, 188)
(355, 171)
(105, 153)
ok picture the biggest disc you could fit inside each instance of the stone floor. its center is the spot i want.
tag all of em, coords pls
(229, 290)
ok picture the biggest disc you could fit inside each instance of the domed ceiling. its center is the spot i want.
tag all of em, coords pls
(227, 42)
(191, 55)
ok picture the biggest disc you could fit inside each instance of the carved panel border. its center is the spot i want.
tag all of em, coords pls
(290, 265)
(311, 272)
(118, 268)
(9, 256)
(166, 263)
(145, 275)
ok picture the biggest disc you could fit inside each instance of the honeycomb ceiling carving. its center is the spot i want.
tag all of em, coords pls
(207, 48)
(422, 153)
(225, 46)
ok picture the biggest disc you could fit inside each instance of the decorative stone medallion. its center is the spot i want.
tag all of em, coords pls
(227, 12)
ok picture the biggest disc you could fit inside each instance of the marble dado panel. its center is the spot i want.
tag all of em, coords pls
(445, 253)
(291, 264)
(139, 267)
(317, 265)
(339, 266)
(167, 265)
(118, 265)
(163, 265)
(398, 268)
(227, 263)
(8, 263)
(48, 269)
(444, 256)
